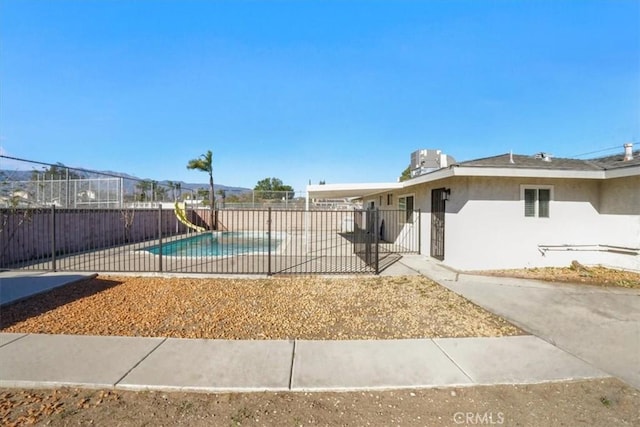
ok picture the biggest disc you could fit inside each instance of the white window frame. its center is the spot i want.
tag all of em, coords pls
(536, 187)
(402, 205)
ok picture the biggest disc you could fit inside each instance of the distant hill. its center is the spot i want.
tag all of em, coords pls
(130, 181)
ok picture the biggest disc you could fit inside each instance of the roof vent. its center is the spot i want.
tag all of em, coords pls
(546, 157)
(628, 152)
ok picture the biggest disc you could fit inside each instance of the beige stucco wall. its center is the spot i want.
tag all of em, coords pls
(620, 196)
(486, 227)
(620, 209)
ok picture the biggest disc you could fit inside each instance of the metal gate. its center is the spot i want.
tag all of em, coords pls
(438, 200)
(365, 243)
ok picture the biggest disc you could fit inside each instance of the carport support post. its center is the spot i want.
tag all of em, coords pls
(419, 233)
(53, 237)
(160, 237)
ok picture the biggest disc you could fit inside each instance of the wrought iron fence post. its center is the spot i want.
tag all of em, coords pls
(356, 234)
(269, 243)
(160, 237)
(53, 237)
(376, 232)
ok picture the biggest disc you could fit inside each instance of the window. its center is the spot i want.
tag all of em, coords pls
(405, 203)
(389, 199)
(536, 201)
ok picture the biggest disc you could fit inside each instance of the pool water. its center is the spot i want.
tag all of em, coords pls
(220, 244)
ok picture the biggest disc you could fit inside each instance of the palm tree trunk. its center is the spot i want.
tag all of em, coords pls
(212, 217)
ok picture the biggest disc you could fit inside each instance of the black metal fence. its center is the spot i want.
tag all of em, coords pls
(241, 242)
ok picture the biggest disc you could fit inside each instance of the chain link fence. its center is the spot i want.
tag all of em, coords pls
(33, 184)
(28, 183)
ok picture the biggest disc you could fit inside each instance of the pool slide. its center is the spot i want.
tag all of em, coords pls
(181, 214)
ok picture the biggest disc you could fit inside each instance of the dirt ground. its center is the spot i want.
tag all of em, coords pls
(596, 276)
(276, 308)
(606, 402)
(304, 308)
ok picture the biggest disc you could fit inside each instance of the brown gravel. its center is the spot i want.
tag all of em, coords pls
(606, 402)
(598, 276)
(275, 308)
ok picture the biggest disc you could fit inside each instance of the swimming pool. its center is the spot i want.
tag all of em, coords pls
(225, 243)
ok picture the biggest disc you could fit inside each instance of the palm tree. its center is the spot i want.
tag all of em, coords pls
(172, 189)
(143, 186)
(204, 163)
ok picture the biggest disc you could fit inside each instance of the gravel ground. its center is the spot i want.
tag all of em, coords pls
(275, 308)
(607, 402)
(597, 276)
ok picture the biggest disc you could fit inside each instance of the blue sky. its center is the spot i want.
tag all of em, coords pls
(305, 90)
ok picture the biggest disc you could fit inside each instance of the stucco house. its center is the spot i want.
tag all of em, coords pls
(513, 211)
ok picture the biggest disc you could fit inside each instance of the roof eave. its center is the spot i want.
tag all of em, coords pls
(372, 189)
(623, 172)
(487, 171)
(337, 191)
(528, 172)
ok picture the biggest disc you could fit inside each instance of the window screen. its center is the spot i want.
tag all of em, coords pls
(544, 195)
(529, 202)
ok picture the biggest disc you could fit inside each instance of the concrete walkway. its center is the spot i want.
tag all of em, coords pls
(218, 365)
(20, 284)
(598, 325)
(34, 360)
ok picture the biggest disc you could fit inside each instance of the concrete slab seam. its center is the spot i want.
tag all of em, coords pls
(13, 340)
(411, 268)
(454, 362)
(293, 360)
(139, 362)
(586, 362)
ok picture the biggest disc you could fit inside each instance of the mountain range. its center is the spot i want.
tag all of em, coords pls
(130, 181)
